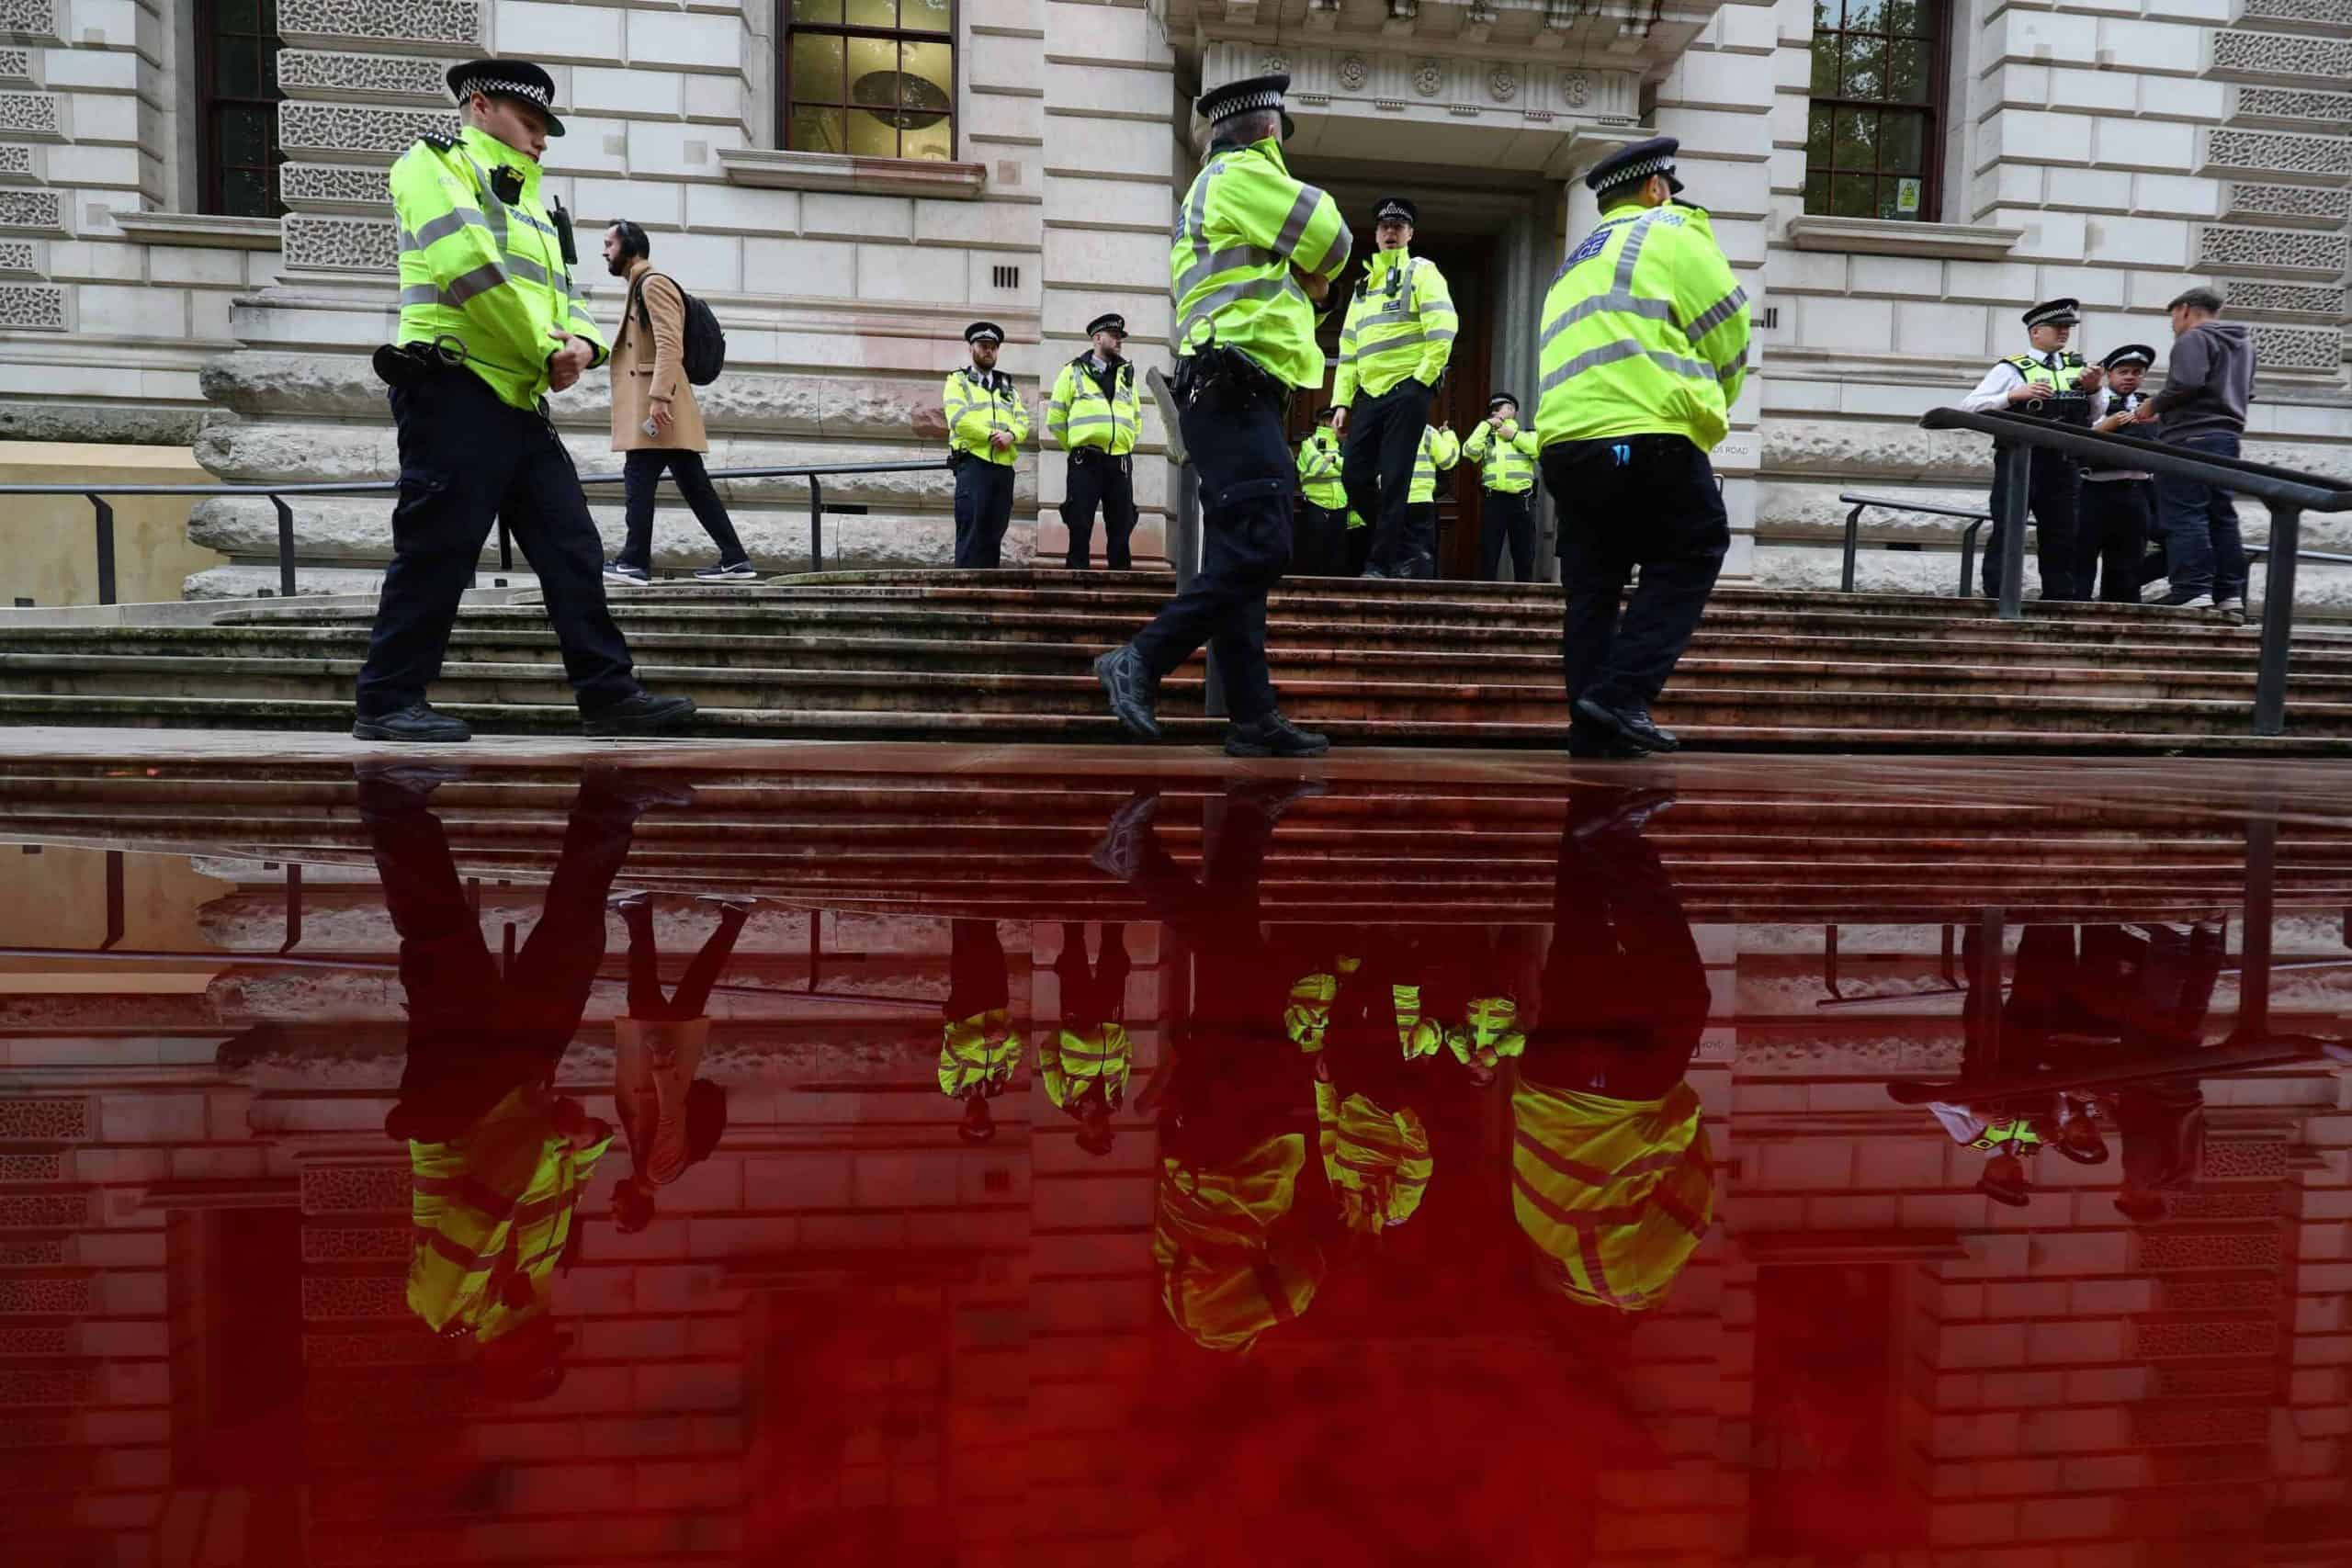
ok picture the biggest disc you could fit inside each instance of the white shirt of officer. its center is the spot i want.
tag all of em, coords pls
(1991, 393)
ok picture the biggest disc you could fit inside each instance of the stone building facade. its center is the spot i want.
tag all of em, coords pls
(2115, 151)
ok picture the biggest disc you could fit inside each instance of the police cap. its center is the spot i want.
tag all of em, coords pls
(516, 79)
(2054, 313)
(1248, 95)
(1108, 321)
(1632, 166)
(1396, 209)
(2138, 353)
(1499, 399)
(984, 332)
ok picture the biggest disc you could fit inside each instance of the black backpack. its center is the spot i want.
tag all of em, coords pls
(705, 343)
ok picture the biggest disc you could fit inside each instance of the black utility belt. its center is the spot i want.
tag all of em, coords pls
(1090, 454)
(2065, 408)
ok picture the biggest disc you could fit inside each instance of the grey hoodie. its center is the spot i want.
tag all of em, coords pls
(2209, 381)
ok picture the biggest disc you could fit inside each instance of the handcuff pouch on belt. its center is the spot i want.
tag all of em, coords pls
(1219, 379)
(2062, 407)
(412, 364)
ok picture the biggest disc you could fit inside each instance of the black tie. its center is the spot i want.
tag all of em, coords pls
(2050, 362)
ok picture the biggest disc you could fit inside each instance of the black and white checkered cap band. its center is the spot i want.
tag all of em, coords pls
(2133, 358)
(1638, 171)
(1395, 211)
(1249, 103)
(2053, 313)
(495, 85)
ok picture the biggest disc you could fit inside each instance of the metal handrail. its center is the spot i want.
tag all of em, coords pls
(1854, 533)
(2287, 493)
(814, 473)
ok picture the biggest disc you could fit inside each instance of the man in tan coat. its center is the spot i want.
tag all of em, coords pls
(655, 420)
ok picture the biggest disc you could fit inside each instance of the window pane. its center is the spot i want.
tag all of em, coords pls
(1853, 195)
(929, 85)
(1825, 16)
(235, 70)
(1856, 144)
(1900, 137)
(1825, 65)
(1865, 16)
(1903, 197)
(816, 11)
(817, 70)
(873, 81)
(1817, 193)
(237, 17)
(926, 16)
(1816, 140)
(1911, 18)
(872, 135)
(935, 140)
(1908, 64)
(817, 130)
(245, 136)
(874, 13)
(244, 193)
(1864, 75)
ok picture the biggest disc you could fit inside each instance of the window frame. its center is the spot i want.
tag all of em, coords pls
(789, 31)
(211, 168)
(1935, 112)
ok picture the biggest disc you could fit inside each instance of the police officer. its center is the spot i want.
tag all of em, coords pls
(1394, 346)
(1325, 527)
(1505, 457)
(986, 422)
(490, 323)
(2118, 505)
(1094, 415)
(2055, 384)
(1644, 343)
(1255, 250)
(1438, 450)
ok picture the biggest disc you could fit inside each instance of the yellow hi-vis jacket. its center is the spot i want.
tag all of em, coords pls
(1614, 1192)
(1644, 332)
(1376, 1160)
(1440, 448)
(977, 404)
(487, 271)
(1220, 1279)
(978, 1054)
(1078, 414)
(1307, 1017)
(1319, 470)
(1506, 459)
(1400, 323)
(1243, 225)
(1072, 1059)
(2043, 379)
(490, 1213)
(1416, 1036)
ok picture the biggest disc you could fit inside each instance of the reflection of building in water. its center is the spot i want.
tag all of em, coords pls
(949, 1347)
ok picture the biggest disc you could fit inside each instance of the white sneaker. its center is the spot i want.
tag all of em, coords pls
(2235, 609)
(2187, 602)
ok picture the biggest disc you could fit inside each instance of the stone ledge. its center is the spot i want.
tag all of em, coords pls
(775, 169)
(205, 229)
(1893, 237)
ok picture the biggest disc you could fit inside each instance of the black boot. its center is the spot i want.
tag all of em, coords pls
(643, 714)
(1274, 736)
(1132, 690)
(415, 722)
(1631, 722)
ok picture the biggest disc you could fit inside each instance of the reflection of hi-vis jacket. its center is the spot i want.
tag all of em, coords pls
(978, 1054)
(1222, 1278)
(1072, 1061)
(1489, 1032)
(491, 1211)
(1614, 1192)
(1376, 1160)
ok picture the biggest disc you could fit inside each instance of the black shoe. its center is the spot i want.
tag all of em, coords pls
(1631, 722)
(643, 714)
(620, 572)
(1376, 574)
(1132, 690)
(416, 779)
(1274, 736)
(415, 722)
(1269, 797)
(728, 571)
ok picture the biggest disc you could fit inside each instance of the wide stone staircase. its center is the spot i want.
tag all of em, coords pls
(1004, 655)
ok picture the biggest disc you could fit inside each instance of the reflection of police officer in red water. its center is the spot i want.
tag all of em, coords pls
(980, 1049)
(498, 1159)
(490, 324)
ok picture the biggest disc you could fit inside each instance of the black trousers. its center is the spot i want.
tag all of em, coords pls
(1376, 464)
(475, 1035)
(692, 998)
(1098, 993)
(2051, 493)
(1646, 502)
(1418, 558)
(1247, 483)
(978, 979)
(641, 472)
(1096, 478)
(466, 459)
(1507, 517)
(2111, 538)
(1357, 543)
(1318, 541)
(983, 511)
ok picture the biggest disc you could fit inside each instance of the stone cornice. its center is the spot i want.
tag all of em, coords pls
(1893, 237)
(777, 169)
(205, 229)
